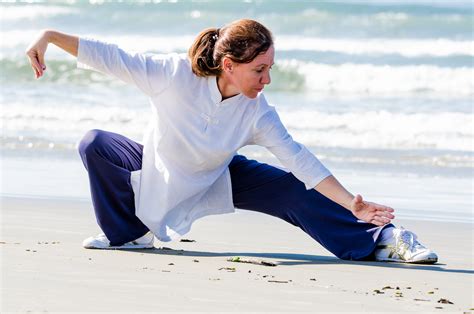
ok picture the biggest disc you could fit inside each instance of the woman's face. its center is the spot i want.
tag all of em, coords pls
(250, 78)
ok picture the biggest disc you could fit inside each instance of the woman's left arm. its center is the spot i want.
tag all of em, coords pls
(367, 211)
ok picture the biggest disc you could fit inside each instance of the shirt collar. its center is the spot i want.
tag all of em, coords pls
(216, 96)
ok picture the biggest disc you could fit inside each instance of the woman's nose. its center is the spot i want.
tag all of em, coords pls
(266, 79)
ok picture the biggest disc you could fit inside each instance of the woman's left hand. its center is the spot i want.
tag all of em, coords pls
(371, 212)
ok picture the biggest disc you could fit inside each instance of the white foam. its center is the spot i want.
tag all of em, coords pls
(441, 47)
(370, 129)
(373, 79)
(68, 123)
(30, 12)
(438, 47)
(381, 129)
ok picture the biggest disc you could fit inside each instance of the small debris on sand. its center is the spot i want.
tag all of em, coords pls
(278, 281)
(313, 279)
(425, 300)
(378, 291)
(229, 269)
(237, 259)
(386, 288)
(408, 287)
(166, 271)
(1, 242)
(445, 301)
(195, 260)
(430, 292)
(171, 264)
(187, 240)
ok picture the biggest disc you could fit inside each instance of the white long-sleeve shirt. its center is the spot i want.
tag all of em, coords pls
(192, 137)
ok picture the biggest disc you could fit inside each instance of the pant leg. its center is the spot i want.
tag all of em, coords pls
(109, 158)
(267, 189)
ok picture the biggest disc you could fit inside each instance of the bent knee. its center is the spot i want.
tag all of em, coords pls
(92, 140)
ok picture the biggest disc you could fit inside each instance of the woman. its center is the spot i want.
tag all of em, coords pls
(206, 106)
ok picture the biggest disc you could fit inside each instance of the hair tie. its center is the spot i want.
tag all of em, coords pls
(216, 35)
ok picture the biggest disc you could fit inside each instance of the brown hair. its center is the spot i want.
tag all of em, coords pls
(241, 41)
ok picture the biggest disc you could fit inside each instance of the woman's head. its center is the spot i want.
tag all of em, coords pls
(219, 52)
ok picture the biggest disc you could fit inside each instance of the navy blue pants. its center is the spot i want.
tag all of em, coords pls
(109, 158)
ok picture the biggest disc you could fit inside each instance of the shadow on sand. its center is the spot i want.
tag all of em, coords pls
(290, 259)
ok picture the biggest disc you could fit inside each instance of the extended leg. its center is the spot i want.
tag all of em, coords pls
(267, 189)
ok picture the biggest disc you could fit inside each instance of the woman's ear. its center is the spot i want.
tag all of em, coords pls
(227, 65)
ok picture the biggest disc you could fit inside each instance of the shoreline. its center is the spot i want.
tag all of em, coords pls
(412, 217)
(44, 268)
(418, 197)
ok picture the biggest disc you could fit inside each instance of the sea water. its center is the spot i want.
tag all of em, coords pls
(381, 91)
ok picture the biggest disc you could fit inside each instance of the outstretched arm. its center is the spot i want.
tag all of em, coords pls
(150, 73)
(270, 133)
(37, 48)
(367, 211)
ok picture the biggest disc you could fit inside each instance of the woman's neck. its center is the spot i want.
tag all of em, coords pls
(226, 88)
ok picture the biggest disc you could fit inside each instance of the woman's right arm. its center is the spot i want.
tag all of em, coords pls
(150, 73)
(37, 49)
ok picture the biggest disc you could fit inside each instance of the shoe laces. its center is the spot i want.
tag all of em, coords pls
(407, 241)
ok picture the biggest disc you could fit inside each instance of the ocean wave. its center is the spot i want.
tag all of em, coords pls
(373, 129)
(386, 79)
(32, 12)
(15, 41)
(440, 47)
(290, 75)
(382, 129)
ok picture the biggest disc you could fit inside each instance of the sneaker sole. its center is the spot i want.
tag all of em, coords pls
(425, 261)
(122, 247)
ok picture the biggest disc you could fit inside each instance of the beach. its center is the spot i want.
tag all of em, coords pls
(45, 269)
(380, 91)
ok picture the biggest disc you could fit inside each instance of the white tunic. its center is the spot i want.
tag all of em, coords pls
(192, 137)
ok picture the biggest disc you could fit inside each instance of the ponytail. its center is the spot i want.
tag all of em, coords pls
(201, 53)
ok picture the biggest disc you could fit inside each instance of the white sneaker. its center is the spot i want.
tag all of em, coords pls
(101, 242)
(403, 247)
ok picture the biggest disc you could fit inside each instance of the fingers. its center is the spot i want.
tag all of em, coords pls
(384, 211)
(35, 64)
(380, 220)
(41, 62)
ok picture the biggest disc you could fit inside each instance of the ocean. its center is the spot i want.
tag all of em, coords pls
(381, 91)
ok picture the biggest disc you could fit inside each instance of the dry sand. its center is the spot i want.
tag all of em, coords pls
(45, 269)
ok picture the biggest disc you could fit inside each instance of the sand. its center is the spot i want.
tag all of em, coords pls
(45, 269)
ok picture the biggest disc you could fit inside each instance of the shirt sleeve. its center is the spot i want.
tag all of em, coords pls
(150, 73)
(270, 132)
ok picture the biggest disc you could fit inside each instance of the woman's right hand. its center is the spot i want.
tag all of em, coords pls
(36, 51)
